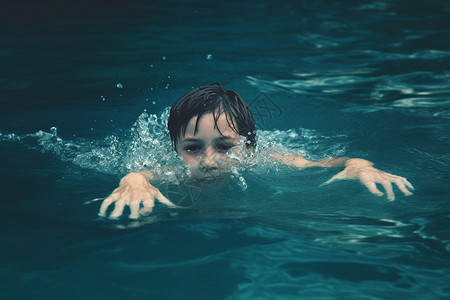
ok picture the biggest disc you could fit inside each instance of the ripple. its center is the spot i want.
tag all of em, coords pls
(349, 271)
(422, 102)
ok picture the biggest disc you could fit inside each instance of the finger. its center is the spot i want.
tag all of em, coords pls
(148, 207)
(388, 188)
(406, 182)
(161, 198)
(401, 186)
(118, 210)
(134, 208)
(106, 203)
(372, 187)
(338, 176)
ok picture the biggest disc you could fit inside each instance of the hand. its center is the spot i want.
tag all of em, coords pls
(362, 169)
(133, 189)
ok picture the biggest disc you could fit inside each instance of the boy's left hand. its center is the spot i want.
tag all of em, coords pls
(369, 176)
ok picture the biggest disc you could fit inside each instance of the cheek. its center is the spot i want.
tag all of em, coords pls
(188, 159)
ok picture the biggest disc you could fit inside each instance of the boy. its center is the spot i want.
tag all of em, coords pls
(206, 126)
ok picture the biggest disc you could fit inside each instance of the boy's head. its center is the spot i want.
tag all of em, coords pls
(216, 100)
(210, 119)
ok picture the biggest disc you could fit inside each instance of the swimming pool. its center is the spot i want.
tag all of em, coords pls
(84, 91)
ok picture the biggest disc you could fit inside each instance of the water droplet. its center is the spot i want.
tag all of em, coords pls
(163, 58)
(53, 130)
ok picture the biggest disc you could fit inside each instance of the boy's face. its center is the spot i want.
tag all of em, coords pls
(205, 151)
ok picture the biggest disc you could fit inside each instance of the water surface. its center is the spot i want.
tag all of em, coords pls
(84, 89)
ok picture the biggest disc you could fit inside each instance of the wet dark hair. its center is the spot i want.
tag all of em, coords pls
(216, 100)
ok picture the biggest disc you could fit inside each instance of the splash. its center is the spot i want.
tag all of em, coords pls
(147, 145)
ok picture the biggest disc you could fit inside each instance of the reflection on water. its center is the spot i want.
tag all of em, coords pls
(355, 78)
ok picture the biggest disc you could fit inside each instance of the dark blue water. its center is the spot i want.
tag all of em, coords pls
(355, 78)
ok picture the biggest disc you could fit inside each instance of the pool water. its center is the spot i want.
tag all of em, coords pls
(84, 93)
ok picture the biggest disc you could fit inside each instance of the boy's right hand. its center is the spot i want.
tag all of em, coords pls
(133, 189)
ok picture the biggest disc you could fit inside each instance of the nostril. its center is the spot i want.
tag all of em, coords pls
(209, 169)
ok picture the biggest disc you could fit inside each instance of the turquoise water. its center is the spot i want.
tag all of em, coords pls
(84, 92)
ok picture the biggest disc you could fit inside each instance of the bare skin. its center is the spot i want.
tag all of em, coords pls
(205, 153)
(355, 168)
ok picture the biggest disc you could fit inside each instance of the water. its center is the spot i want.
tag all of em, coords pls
(84, 92)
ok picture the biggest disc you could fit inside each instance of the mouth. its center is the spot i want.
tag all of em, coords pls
(210, 173)
(208, 176)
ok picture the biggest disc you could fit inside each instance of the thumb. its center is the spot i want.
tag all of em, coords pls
(339, 176)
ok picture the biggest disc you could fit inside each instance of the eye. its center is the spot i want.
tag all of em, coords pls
(193, 149)
(224, 147)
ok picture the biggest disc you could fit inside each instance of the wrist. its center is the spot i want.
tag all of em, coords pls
(358, 162)
(133, 178)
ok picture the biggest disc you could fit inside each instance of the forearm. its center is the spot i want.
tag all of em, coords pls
(355, 168)
(300, 162)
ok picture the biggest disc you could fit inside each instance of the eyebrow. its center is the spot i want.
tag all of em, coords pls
(223, 138)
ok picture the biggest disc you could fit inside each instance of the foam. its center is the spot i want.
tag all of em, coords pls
(147, 145)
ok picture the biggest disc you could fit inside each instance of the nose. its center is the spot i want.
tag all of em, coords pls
(208, 158)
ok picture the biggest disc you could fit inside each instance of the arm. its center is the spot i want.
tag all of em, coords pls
(355, 168)
(133, 189)
(300, 162)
